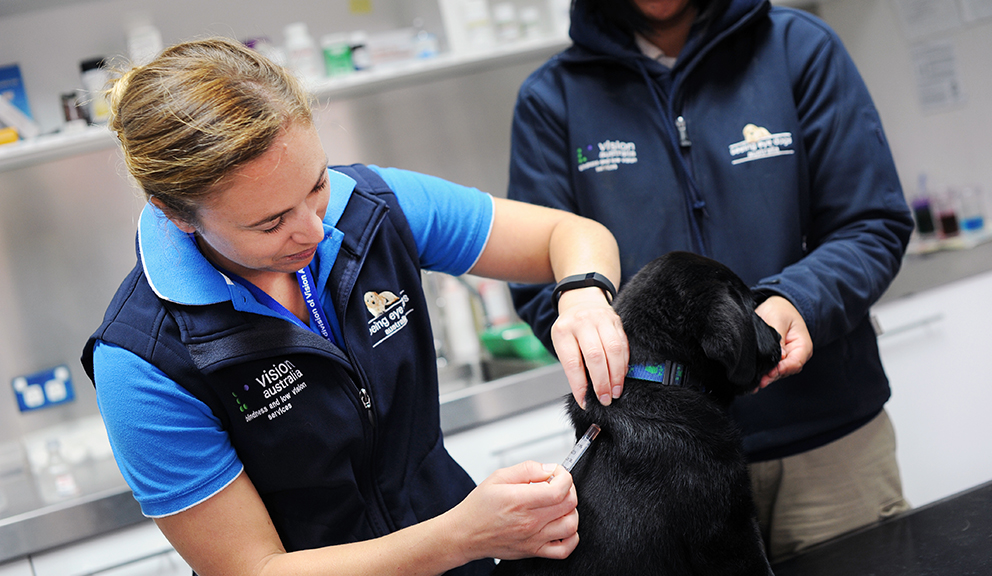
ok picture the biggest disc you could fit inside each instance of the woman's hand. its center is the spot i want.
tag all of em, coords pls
(519, 512)
(589, 339)
(797, 346)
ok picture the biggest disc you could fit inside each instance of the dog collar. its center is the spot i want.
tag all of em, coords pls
(670, 373)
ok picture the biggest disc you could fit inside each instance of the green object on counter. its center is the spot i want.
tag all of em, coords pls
(514, 341)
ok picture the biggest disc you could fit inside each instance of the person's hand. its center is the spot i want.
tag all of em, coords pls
(797, 346)
(519, 512)
(589, 338)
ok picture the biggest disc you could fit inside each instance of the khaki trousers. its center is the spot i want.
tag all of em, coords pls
(811, 497)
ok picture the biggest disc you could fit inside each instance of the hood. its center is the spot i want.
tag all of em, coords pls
(603, 39)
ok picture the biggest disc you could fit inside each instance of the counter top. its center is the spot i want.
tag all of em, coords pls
(928, 270)
(950, 536)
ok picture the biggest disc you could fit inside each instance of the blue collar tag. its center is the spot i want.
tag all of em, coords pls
(670, 373)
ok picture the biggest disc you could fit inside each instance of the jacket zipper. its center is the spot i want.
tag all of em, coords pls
(366, 399)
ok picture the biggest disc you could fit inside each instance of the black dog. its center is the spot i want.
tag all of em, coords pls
(664, 488)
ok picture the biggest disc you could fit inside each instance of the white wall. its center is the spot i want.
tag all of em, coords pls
(951, 145)
(49, 43)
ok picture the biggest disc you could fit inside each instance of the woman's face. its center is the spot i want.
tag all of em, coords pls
(266, 217)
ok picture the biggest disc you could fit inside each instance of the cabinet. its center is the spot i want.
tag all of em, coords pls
(543, 434)
(16, 568)
(935, 348)
(140, 550)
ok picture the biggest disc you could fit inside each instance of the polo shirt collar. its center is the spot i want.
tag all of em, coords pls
(178, 272)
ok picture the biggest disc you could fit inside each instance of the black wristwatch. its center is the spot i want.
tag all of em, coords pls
(583, 281)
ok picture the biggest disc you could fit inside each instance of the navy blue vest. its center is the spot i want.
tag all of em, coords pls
(341, 445)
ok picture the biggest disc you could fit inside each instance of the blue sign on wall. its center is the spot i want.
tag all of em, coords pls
(44, 389)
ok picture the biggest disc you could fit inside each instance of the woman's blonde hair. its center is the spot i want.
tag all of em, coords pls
(198, 111)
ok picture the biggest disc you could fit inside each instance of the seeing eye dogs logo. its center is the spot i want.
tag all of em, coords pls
(389, 314)
(759, 143)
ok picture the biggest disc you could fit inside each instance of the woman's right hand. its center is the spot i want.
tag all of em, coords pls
(518, 512)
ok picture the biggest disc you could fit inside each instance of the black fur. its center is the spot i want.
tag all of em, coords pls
(664, 488)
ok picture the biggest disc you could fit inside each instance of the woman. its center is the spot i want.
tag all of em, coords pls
(267, 373)
(743, 132)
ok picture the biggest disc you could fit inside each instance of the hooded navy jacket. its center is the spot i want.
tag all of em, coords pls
(760, 148)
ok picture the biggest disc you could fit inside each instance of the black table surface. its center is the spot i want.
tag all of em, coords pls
(950, 537)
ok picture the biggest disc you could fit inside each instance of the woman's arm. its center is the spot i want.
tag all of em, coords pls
(517, 512)
(534, 244)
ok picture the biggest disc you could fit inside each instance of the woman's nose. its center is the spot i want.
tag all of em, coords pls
(311, 228)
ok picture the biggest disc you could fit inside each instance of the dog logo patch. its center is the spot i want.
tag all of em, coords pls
(389, 314)
(760, 143)
(377, 302)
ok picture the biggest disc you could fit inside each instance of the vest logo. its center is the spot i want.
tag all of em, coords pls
(280, 384)
(610, 154)
(389, 314)
(759, 143)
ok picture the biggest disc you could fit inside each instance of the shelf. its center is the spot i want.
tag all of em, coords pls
(48, 147)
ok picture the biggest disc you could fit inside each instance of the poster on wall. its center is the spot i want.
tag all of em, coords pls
(972, 10)
(922, 18)
(937, 82)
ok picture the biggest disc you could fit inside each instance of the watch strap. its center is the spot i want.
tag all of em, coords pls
(586, 280)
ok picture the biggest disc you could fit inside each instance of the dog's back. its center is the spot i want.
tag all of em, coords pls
(664, 488)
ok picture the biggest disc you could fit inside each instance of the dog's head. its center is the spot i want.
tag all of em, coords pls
(693, 310)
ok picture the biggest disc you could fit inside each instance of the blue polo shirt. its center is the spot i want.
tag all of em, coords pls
(170, 447)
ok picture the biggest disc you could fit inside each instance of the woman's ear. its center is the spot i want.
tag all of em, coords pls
(180, 223)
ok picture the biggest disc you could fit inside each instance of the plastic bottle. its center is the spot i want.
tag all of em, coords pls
(95, 78)
(361, 56)
(972, 210)
(505, 21)
(922, 209)
(947, 213)
(424, 43)
(530, 22)
(144, 43)
(337, 55)
(57, 481)
(301, 52)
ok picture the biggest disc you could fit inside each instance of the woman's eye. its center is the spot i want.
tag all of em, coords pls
(275, 227)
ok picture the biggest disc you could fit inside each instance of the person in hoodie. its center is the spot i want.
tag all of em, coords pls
(742, 132)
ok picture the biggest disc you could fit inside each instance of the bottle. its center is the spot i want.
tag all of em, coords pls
(301, 52)
(57, 481)
(505, 21)
(95, 78)
(530, 22)
(337, 55)
(947, 213)
(922, 209)
(972, 210)
(478, 26)
(424, 43)
(361, 57)
(144, 43)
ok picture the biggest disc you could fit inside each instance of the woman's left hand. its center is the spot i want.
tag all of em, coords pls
(589, 339)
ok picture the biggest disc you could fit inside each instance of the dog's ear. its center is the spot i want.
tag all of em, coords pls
(741, 342)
